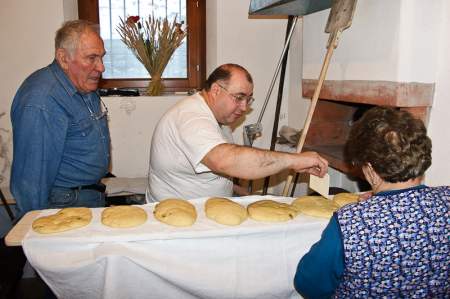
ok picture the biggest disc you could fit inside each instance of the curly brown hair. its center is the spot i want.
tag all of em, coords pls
(392, 141)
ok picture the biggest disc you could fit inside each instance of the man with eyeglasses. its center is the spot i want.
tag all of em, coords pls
(192, 152)
(60, 133)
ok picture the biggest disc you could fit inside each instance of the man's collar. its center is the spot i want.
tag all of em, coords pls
(62, 78)
(207, 100)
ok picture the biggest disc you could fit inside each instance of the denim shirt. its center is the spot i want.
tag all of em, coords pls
(60, 138)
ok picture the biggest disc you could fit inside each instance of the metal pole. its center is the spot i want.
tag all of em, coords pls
(280, 95)
(277, 70)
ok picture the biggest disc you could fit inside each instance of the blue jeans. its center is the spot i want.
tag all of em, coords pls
(65, 197)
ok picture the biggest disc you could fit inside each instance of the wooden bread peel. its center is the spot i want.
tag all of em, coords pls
(339, 19)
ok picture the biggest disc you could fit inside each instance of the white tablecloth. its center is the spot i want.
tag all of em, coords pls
(154, 260)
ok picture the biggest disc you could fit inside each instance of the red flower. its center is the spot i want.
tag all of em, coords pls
(132, 20)
(178, 28)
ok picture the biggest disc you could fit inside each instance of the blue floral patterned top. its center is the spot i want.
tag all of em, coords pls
(393, 245)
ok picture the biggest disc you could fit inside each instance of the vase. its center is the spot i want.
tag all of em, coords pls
(155, 87)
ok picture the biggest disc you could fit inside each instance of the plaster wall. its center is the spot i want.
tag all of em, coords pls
(405, 41)
(227, 37)
(256, 43)
(439, 173)
(27, 44)
(253, 42)
(389, 40)
(132, 121)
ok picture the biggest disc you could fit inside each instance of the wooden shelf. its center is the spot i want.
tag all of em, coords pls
(416, 98)
(379, 93)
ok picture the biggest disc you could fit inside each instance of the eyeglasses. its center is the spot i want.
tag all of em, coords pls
(239, 98)
(102, 112)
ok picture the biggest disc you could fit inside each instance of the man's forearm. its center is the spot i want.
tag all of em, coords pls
(244, 162)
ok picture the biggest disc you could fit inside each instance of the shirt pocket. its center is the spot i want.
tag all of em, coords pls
(81, 129)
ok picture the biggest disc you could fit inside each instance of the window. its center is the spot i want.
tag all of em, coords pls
(187, 67)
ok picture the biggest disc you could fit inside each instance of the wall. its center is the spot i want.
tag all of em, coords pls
(256, 42)
(27, 44)
(262, 39)
(439, 174)
(226, 38)
(131, 123)
(389, 40)
(404, 41)
(30, 46)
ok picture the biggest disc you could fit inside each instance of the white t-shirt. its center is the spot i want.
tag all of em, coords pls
(182, 137)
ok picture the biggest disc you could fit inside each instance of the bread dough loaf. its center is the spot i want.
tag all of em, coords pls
(64, 220)
(176, 212)
(271, 211)
(341, 199)
(123, 216)
(316, 206)
(225, 211)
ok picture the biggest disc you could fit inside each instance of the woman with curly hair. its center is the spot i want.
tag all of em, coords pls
(394, 244)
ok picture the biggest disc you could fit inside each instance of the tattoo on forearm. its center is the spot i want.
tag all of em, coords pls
(266, 159)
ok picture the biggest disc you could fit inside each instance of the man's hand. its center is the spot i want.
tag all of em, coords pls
(310, 162)
(239, 190)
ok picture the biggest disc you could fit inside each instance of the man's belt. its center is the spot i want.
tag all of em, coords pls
(100, 187)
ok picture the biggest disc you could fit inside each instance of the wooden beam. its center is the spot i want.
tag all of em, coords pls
(380, 93)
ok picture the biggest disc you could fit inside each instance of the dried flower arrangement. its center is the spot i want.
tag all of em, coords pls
(153, 43)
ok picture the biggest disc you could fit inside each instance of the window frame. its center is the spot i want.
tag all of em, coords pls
(196, 49)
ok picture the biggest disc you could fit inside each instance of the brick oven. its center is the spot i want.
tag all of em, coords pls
(343, 101)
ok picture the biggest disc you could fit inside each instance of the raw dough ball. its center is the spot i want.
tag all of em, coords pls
(175, 212)
(271, 211)
(123, 216)
(341, 199)
(316, 206)
(225, 211)
(65, 219)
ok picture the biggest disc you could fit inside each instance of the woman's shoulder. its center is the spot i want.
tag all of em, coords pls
(439, 191)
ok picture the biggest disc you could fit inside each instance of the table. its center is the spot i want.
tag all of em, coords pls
(17, 234)
(154, 260)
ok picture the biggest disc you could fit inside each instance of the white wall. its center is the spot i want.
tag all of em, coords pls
(227, 38)
(389, 40)
(406, 41)
(131, 124)
(256, 44)
(26, 45)
(439, 173)
(231, 37)
(27, 33)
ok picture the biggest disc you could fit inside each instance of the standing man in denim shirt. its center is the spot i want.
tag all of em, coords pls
(60, 132)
